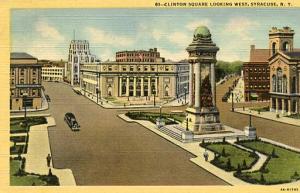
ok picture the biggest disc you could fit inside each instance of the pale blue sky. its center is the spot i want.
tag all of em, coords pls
(46, 33)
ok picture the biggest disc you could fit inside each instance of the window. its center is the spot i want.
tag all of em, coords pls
(274, 83)
(109, 68)
(279, 80)
(131, 68)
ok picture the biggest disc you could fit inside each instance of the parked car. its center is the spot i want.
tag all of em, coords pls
(77, 92)
(71, 121)
(48, 98)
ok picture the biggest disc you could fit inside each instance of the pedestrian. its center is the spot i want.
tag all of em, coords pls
(205, 155)
(48, 158)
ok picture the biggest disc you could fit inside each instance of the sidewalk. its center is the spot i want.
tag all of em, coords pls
(238, 92)
(269, 115)
(109, 105)
(38, 149)
(198, 151)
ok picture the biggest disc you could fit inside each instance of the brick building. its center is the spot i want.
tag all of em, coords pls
(139, 56)
(257, 74)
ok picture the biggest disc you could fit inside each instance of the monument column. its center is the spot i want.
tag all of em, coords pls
(197, 85)
(213, 83)
(191, 92)
(276, 105)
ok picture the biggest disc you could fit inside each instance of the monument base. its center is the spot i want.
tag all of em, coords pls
(202, 120)
(250, 132)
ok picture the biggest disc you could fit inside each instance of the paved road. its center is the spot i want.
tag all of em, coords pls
(284, 133)
(109, 151)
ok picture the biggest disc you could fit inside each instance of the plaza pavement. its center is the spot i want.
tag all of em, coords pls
(196, 150)
(269, 115)
(39, 148)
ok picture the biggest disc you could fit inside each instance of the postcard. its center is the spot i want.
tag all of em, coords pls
(159, 96)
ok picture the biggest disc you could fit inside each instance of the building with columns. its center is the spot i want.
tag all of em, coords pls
(137, 82)
(152, 55)
(202, 113)
(25, 82)
(284, 65)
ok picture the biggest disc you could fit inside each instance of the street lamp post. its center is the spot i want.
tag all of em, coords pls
(160, 107)
(97, 92)
(185, 89)
(187, 124)
(25, 95)
(84, 86)
(232, 107)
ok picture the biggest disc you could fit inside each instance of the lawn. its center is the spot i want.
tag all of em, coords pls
(226, 151)
(29, 179)
(283, 165)
(17, 124)
(169, 118)
(294, 116)
(18, 149)
(261, 109)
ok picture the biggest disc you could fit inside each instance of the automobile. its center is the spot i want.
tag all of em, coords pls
(71, 121)
(77, 92)
(48, 98)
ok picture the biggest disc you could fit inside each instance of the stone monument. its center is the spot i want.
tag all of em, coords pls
(202, 112)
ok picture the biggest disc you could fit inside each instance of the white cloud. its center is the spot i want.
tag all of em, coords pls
(179, 38)
(194, 24)
(47, 31)
(174, 56)
(98, 36)
(157, 34)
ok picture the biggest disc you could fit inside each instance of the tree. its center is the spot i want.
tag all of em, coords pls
(228, 164)
(223, 152)
(244, 164)
(238, 171)
(262, 179)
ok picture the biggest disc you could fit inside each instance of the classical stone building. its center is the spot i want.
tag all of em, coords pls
(53, 73)
(139, 56)
(284, 66)
(202, 112)
(257, 75)
(79, 54)
(25, 81)
(135, 81)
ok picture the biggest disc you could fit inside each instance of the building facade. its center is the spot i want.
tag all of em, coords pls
(284, 72)
(256, 75)
(25, 82)
(53, 73)
(135, 80)
(139, 56)
(79, 54)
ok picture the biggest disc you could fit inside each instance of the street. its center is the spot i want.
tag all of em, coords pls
(110, 151)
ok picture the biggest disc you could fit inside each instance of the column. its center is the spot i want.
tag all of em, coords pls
(271, 104)
(289, 107)
(156, 89)
(142, 86)
(120, 86)
(149, 86)
(127, 86)
(276, 110)
(191, 72)
(282, 105)
(134, 86)
(197, 85)
(213, 83)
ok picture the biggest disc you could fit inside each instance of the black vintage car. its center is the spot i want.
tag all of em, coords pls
(71, 121)
(48, 98)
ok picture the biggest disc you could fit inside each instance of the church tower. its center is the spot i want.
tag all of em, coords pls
(281, 40)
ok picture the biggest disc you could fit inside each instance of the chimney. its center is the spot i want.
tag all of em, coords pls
(252, 47)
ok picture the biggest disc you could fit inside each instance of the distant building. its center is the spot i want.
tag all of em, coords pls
(284, 66)
(256, 75)
(135, 80)
(25, 81)
(79, 54)
(53, 73)
(139, 56)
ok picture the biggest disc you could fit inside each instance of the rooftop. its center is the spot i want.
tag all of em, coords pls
(293, 54)
(202, 31)
(21, 55)
(259, 55)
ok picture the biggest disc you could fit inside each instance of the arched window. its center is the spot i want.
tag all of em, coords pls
(273, 48)
(285, 46)
(274, 83)
(284, 84)
(279, 80)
